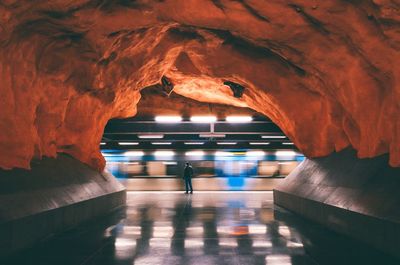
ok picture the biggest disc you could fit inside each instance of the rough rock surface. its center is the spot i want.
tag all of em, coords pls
(154, 102)
(325, 71)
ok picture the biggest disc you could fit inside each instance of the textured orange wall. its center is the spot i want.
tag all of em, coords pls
(325, 71)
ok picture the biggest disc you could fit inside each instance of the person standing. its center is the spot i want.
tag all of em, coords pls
(187, 176)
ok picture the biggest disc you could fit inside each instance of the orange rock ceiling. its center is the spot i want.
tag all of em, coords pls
(325, 71)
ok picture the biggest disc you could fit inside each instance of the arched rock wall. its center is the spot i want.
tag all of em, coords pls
(325, 71)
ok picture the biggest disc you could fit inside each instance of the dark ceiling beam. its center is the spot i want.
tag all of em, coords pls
(259, 128)
(192, 137)
(190, 128)
(206, 146)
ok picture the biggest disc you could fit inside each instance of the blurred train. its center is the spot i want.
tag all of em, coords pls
(213, 170)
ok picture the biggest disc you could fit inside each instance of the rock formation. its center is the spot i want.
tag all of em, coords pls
(154, 102)
(325, 71)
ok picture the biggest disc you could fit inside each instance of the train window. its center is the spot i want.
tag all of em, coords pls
(275, 168)
(202, 168)
(268, 168)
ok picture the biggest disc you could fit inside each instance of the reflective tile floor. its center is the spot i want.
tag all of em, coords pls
(203, 228)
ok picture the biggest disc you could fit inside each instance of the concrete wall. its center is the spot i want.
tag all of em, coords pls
(356, 197)
(54, 195)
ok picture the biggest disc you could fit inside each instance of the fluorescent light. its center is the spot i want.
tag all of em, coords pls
(222, 153)
(161, 143)
(259, 143)
(194, 143)
(226, 143)
(128, 143)
(239, 119)
(111, 154)
(255, 153)
(203, 119)
(195, 153)
(169, 163)
(151, 136)
(285, 153)
(273, 136)
(164, 153)
(212, 135)
(288, 143)
(134, 153)
(103, 143)
(168, 119)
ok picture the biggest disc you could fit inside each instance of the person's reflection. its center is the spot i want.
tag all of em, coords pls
(146, 231)
(180, 222)
(211, 242)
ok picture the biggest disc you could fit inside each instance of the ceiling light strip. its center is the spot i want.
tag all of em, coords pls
(239, 119)
(259, 143)
(151, 136)
(203, 119)
(168, 119)
(161, 143)
(273, 136)
(128, 143)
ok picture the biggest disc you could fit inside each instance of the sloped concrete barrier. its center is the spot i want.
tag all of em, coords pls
(56, 194)
(356, 197)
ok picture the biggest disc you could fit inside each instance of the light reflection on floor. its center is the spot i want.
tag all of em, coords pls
(203, 228)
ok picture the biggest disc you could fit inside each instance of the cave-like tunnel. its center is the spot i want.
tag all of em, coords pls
(283, 116)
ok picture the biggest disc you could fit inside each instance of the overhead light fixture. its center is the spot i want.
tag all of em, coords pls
(226, 143)
(223, 153)
(111, 154)
(161, 143)
(212, 135)
(103, 143)
(151, 136)
(273, 136)
(164, 153)
(194, 153)
(128, 143)
(169, 163)
(285, 153)
(168, 119)
(134, 153)
(239, 119)
(255, 153)
(288, 143)
(259, 143)
(194, 143)
(203, 119)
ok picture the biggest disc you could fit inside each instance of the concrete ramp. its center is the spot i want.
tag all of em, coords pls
(56, 194)
(356, 197)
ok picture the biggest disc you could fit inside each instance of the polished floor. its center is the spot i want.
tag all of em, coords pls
(203, 228)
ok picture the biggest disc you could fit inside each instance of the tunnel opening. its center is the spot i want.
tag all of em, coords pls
(230, 148)
(324, 72)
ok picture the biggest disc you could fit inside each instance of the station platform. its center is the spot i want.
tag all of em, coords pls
(201, 183)
(220, 227)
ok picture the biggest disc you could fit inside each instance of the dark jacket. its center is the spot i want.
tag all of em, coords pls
(188, 172)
